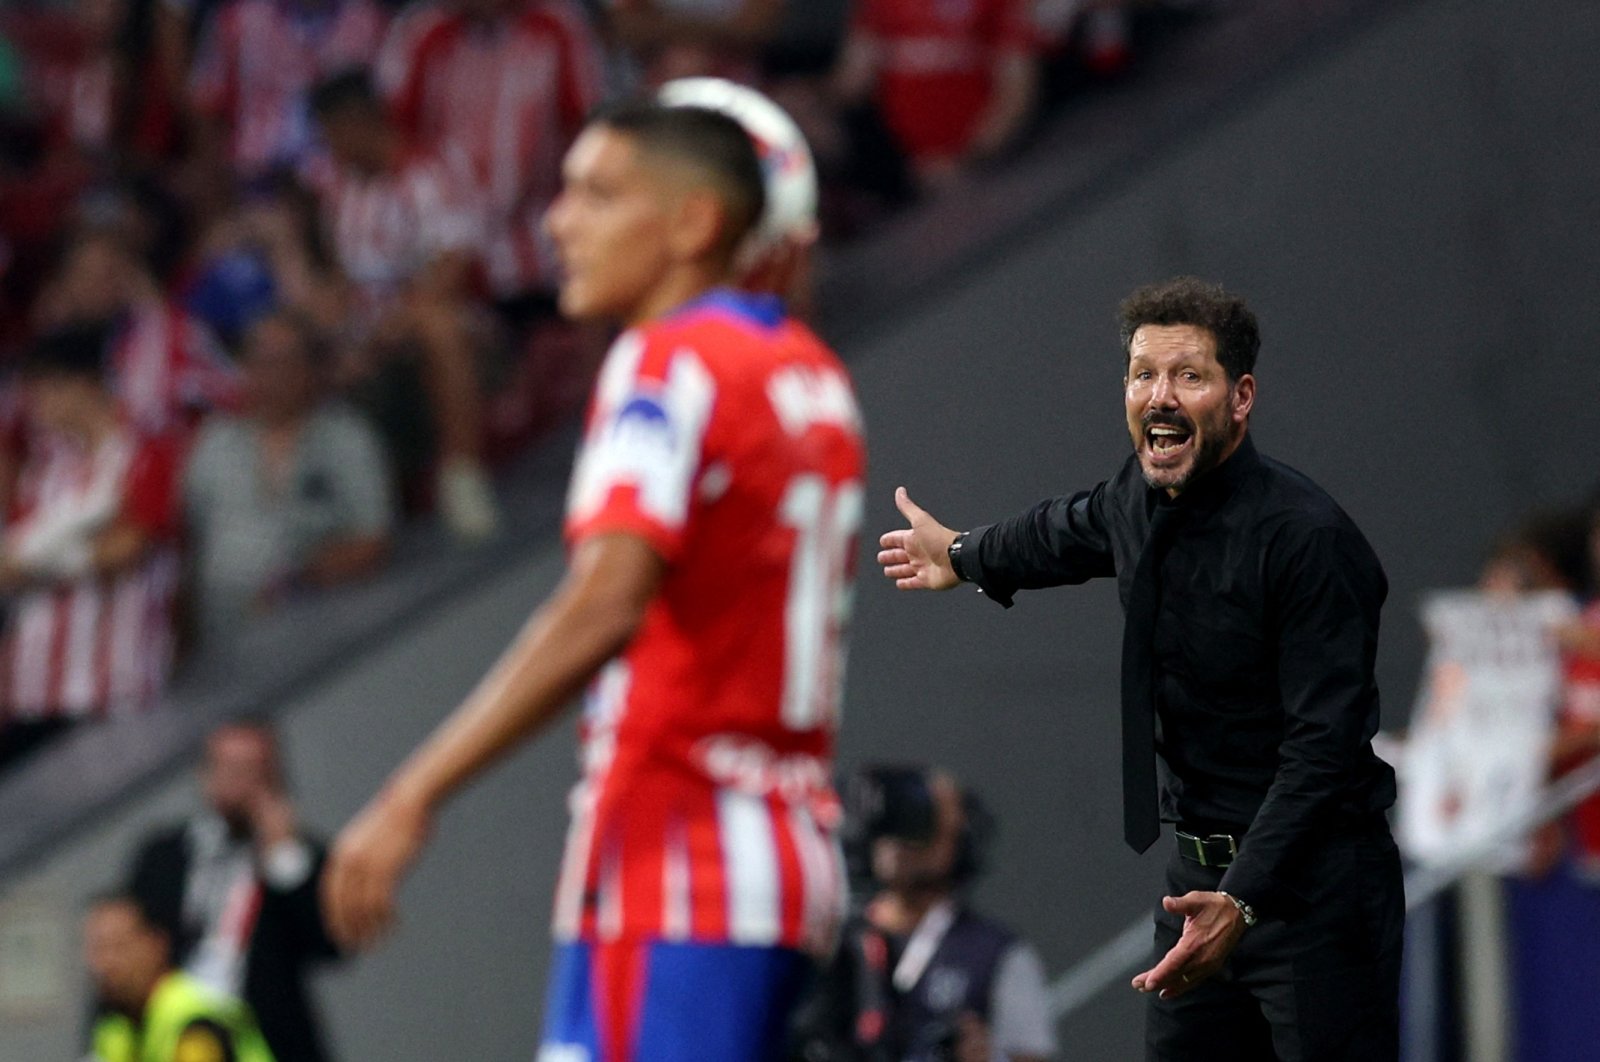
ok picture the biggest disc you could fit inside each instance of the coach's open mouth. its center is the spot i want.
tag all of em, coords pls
(1167, 440)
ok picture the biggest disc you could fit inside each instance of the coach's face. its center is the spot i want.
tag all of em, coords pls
(1184, 415)
(611, 227)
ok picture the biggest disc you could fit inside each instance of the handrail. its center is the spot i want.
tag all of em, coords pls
(1121, 955)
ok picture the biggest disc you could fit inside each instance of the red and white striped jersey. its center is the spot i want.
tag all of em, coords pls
(85, 645)
(728, 437)
(385, 229)
(259, 59)
(501, 102)
(165, 367)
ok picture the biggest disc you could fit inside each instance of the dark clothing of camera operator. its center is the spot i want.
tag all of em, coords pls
(1252, 604)
(919, 976)
(236, 890)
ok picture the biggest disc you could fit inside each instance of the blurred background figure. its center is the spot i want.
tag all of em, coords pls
(670, 39)
(235, 890)
(955, 81)
(89, 561)
(163, 365)
(255, 66)
(498, 89)
(148, 1011)
(405, 234)
(293, 493)
(920, 976)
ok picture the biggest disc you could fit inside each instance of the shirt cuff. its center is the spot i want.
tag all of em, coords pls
(971, 568)
(287, 865)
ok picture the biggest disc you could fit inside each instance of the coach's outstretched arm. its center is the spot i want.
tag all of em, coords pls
(918, 557)
(590, 618)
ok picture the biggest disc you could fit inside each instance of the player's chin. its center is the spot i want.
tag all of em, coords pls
(580, 302)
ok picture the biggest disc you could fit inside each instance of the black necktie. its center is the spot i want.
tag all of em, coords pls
(1141, 818)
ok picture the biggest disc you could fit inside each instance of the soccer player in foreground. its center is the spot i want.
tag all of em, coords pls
(712, 522)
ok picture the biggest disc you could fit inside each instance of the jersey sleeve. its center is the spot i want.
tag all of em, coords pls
(645, 444)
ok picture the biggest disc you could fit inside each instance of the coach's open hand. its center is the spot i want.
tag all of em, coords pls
(371, 855)
(917, 558)
(1212, 926)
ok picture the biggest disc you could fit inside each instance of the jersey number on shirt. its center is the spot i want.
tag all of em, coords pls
(825, 521)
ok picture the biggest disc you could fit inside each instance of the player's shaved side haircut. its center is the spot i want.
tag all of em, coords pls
(711, 142)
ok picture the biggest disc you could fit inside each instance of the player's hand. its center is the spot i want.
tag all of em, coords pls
(1212, 926)
(917, 558)
(364, 870)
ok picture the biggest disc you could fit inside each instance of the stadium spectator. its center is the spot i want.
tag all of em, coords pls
(256, 63)
(99, 91)
(89, 564)
(693, 38)
(498, 89)
(920, 976)
(955, 82)
(292, 493)
(163, 365)
(147, 1011)
(235, 889)
(405, 232)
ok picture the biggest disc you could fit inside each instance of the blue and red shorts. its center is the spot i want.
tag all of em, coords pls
(651, 1001)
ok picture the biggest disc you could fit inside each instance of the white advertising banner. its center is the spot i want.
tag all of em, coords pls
(1477, 755)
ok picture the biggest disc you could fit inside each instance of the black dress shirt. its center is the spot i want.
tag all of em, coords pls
(1265, 641)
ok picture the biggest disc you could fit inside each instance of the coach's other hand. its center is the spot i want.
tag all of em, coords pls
(917, 558)
(368, 860)
(1212, 926)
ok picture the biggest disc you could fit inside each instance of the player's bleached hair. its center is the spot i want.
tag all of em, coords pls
(712, 142)
(1192, 301)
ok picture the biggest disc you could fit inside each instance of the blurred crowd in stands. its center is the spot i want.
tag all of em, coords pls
(272, 277)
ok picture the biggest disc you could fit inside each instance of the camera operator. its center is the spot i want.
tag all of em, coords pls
(919, 976)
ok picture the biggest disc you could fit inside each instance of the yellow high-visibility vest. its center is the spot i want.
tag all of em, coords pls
(178, 1002)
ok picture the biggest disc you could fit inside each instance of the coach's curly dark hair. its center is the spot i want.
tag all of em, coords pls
(1192, 301)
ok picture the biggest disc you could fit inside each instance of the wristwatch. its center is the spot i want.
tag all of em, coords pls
(1245, 910)
(956, 546)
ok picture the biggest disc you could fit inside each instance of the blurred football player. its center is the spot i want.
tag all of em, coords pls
(712, 520)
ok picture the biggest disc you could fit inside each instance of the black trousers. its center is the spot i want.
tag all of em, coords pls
(1321, 986)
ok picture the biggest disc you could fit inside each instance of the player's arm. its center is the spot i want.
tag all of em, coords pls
(590, 617)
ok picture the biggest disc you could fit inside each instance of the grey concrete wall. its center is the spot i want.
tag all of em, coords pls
(1414, 217)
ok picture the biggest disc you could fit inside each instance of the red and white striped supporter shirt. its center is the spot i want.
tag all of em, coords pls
(501, 102)
(165, 367)
(936, 72)
(259, 59)
(385, 229)
(86, 645)
(728, 437)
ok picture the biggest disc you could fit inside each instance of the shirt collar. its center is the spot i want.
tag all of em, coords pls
(764, 310)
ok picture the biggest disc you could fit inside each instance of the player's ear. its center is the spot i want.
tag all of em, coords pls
(700, 225)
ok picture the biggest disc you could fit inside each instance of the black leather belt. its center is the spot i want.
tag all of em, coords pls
(1211, 850)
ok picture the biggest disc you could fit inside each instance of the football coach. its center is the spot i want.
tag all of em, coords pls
(1251, 606)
